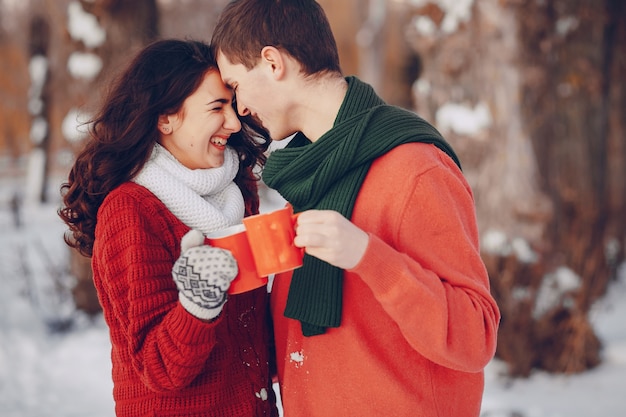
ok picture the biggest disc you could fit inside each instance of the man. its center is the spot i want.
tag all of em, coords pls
(391, 313)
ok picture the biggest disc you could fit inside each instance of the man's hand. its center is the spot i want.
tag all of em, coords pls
(329, 236)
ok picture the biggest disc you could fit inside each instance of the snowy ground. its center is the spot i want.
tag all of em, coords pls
(67, 374)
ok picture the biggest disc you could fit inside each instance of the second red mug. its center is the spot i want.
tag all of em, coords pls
(271, 241)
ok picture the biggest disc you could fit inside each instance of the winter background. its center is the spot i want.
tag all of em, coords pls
(54, 361)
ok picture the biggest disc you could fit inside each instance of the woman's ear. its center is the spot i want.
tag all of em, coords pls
(274, 60)
(164, 125)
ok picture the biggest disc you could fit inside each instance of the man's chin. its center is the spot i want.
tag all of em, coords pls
(283, 137)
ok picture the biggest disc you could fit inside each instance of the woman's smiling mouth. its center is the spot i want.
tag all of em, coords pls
(219, 142)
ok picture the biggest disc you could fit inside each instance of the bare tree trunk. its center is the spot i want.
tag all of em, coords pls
(370, 35)
(569, 47)
(14, 81)
(547, 165)
(39, 97)
(572, 55)
(128, 27)
(615, 68)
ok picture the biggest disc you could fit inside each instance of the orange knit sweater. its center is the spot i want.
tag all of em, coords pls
(165, 361)
(419, 323)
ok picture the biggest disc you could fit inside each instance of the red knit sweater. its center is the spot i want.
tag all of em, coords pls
(165, 361)
(418, 323)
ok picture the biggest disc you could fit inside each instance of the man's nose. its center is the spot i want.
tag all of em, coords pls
(241, 109)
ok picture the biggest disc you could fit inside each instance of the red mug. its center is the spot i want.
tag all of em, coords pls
(235, 240)
(271, 241)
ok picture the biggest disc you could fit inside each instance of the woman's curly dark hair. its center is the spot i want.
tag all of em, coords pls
(123, 132)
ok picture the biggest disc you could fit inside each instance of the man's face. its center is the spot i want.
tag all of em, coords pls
(256, 95)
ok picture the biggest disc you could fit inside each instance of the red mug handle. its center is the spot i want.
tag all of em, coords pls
(294, 221)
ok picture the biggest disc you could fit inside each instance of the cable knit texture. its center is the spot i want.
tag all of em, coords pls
(327, 175)
(418, 323)
(204, 199)
(165, 361)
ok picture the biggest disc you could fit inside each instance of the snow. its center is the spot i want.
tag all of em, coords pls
(596, 393)
(565, 25)
(53, 373)
(84, 65)
(38, 71)
(297, 357)
(72, 127)
(84, 26)
(498, 243)
(455, 12)
(38, 130)
(44, 372)
(554, 289)
(425, 25)
(463, 119)
(35, 177)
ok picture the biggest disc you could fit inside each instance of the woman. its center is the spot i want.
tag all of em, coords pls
(169, 154)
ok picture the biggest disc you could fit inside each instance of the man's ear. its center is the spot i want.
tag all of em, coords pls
(274, 60)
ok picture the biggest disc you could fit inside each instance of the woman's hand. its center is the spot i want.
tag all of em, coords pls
(329, 236)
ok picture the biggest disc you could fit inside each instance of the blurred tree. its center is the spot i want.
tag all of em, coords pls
(87, 43)
(372, 43)
(14, 81)
(127, 26)
(574, 107)
(39, 102)
(532, 96)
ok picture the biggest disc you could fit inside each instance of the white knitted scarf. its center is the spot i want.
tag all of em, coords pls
(203, 199)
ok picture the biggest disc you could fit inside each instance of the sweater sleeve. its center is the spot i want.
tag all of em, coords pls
(133, 257)
(424, 267)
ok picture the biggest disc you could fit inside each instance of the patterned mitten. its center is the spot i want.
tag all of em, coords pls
(203, 274)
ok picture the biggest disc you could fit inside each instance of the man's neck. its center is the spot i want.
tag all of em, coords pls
(320, 106)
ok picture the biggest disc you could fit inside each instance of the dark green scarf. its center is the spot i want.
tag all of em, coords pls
(327, 175)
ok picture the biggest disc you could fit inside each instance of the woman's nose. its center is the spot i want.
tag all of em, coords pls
(231, 121)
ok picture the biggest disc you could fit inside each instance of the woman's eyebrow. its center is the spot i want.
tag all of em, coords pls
(219, 100)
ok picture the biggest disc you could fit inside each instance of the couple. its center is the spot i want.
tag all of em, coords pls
(391, 313)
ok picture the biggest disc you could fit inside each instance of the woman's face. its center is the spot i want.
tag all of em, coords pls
(197, 135)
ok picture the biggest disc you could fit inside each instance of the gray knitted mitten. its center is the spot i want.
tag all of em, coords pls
(203, 274)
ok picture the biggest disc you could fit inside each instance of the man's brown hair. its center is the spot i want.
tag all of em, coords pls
(298, 27)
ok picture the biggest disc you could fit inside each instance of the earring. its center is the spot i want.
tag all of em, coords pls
(165, 129)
